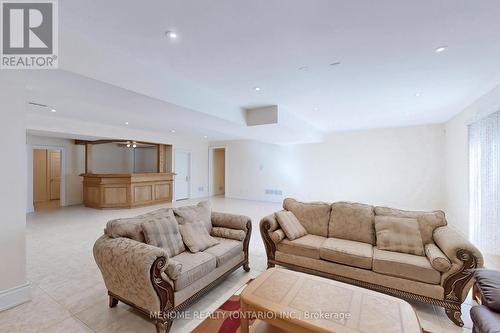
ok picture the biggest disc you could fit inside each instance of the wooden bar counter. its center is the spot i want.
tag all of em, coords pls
(127, 190)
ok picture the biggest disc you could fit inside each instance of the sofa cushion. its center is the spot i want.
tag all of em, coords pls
(201, 213)
(439, 261)
(428, 221)
(306, 246)
(347, 252)
(404, 265)
(127, 227)
(398, 234)
(352, 221)
(196, 237)
(314, 216)
(488, 282)
(290, 225)
(194, 267)
(164, 232)
(226, 250)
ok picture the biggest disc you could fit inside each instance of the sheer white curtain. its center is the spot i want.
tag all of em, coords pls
(484, 168)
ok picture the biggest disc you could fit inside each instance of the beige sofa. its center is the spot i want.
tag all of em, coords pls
(140, 275)
(341, 244)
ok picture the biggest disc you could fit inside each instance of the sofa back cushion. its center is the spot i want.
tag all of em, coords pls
(313, 216)
(126, 227)
(163, 232)
(200, 213)
(399, 234)
(427, 221)
(352, 221)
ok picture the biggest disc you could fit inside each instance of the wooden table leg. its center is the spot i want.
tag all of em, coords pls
(244, 318)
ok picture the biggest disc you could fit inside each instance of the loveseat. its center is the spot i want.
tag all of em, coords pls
(350, 242)
(159, 284)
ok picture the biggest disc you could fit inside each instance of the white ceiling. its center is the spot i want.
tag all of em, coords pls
(226, 48)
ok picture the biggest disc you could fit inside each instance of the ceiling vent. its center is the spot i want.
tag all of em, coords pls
(262, 116)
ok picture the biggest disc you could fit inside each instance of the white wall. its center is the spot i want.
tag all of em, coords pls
(197, 146)
(457, 159)
(399, 167)
(14, 288)
(74, 165)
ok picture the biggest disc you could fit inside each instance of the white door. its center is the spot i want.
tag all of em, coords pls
(182, 182)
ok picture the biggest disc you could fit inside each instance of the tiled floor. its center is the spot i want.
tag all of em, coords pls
(69, 295)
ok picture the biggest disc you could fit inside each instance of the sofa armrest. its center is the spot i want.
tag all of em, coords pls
(134, 272)
(231, 221)
(464, 256)
(236, 222)
(268, 226)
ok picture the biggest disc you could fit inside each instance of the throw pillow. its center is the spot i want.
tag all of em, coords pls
(290, 225)
(164, 232)
(196, 237)
(201, 213)
(439, 261)
(399, 234)
(174, 269)
(238, 235)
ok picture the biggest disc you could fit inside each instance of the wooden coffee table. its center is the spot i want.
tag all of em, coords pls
(298, 302)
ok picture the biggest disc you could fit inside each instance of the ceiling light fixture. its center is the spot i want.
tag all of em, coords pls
(53, 110)
(128, 144)
(134, 144)
(126, 123)
(335, 63)
(440, 49)
(205, 136)
(303, 68)
(256, 88)
(417, 94)
(171, 34)
(173, 131)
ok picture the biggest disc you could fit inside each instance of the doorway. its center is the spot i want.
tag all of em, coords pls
(182, 169)
(217, 171)
(46, 179)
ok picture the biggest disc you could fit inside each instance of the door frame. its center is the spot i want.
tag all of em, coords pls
(62, 200)
(210, 169)
(175, 150)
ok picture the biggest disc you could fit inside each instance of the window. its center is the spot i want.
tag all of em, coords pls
(484, 168)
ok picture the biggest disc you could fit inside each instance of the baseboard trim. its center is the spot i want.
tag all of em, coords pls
(15, 296)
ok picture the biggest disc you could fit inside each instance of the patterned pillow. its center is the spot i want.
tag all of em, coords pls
(196, 237)
(201, 213)
(399, 234)
(163, 232)
(290, 225)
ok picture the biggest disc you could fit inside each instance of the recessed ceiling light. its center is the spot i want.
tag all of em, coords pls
(336, 63)
(205, 136)
(53, 110)
(417, 94)
(126, 123)
(440, 49)
(257, 88)
(303, 68)
(171, 34)
(173, 131)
